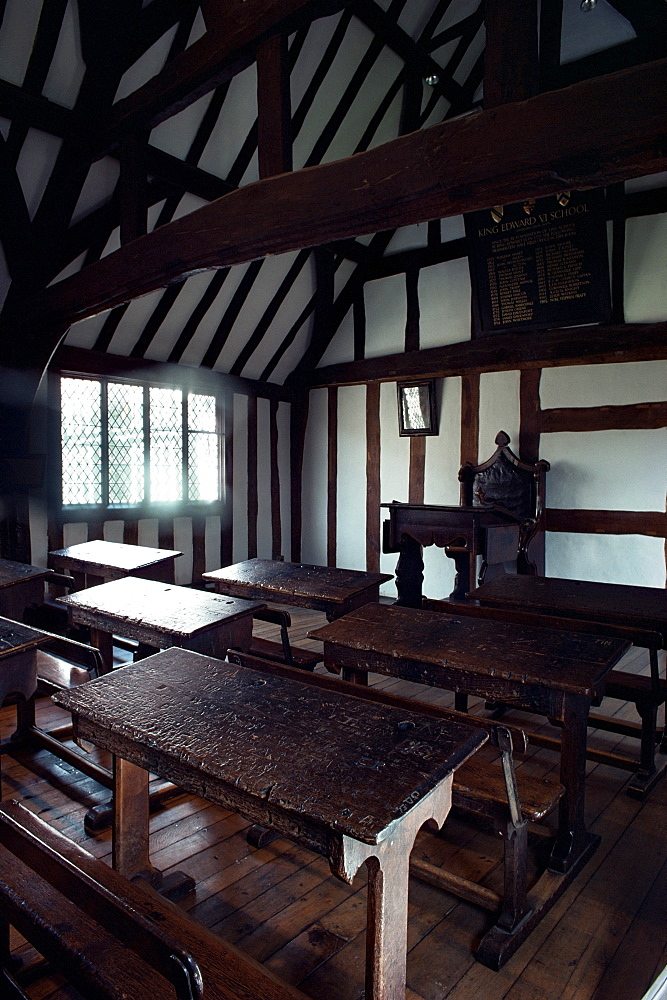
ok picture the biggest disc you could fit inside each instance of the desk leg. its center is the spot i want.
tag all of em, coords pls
(130, 849)
(388, 866)
(409, 573)
(572, 839)
(104, 642)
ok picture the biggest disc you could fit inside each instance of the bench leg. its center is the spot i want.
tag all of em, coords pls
(515, 902)
(388, 864)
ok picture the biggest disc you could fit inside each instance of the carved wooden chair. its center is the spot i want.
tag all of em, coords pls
(518, 487)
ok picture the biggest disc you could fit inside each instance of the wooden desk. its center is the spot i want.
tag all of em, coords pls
(552, 672)
(18, 670)
(463, 532)
(264, 745)
(20, 585)
(322, 588)
(640, 611)
(160, 615)
(93, 562)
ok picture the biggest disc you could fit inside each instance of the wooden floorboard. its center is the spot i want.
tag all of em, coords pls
(603, 940)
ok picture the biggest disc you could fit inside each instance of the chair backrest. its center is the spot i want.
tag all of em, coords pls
(508, 482)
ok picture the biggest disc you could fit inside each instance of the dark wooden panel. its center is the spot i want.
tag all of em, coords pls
(470, 419)
(504, 352)
(607, 522)
(417, 464)
(633, 416)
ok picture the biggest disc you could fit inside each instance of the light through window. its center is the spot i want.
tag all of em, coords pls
(127, 444)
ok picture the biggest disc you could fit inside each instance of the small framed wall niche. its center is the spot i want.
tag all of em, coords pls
(417, 412)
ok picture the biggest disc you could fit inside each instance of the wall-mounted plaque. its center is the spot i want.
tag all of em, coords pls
(538, 264)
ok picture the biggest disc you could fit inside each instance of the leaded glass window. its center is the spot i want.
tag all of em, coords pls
(127, 444)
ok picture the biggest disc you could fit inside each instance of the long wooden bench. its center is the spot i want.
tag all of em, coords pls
(111, 938)
(492, 790)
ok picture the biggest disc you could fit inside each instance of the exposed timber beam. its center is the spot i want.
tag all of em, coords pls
(589, 345)
(217, 56)
(561, 139)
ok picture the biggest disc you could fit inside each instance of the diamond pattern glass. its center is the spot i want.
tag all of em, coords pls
(81, 439)
(166, 444)
(203, 457)
(125, 424)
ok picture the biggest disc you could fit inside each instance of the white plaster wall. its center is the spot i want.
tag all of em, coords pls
(264, 533)
(212, 543)
(604, 385)
(606, 470)
(394, 469)
(636, 560)
(183, 543)
(284, 468)
(498, 410)
(314, 487)
(351, 496)
(240, 474)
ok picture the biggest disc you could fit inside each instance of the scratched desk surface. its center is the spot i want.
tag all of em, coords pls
(217, 728)
(113, 560)
(324, 588)
(139, 605)
(15, 637)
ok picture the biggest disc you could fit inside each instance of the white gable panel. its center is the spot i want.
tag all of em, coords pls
(147, 66)
(172, 326)
(266, 284)
(444, 304)
(443, 456)
(295, 302)
(294, 353)
(133, 322)
(176, 134)
(231, 130)
(386, 314)
(319, 36)
(98, 187)
(204, 333)
(85, 333)
(67, 67)
(35, 165)
(19, 25)
(341, 348)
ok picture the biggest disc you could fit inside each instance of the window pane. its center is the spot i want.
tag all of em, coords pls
(81, 436)
(126, 443)
(203, 455)
(166, 444)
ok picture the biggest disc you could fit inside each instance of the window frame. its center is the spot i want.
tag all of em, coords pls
(145, 509)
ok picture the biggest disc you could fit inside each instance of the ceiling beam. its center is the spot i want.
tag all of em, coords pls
(501, 352)
(562, 139)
